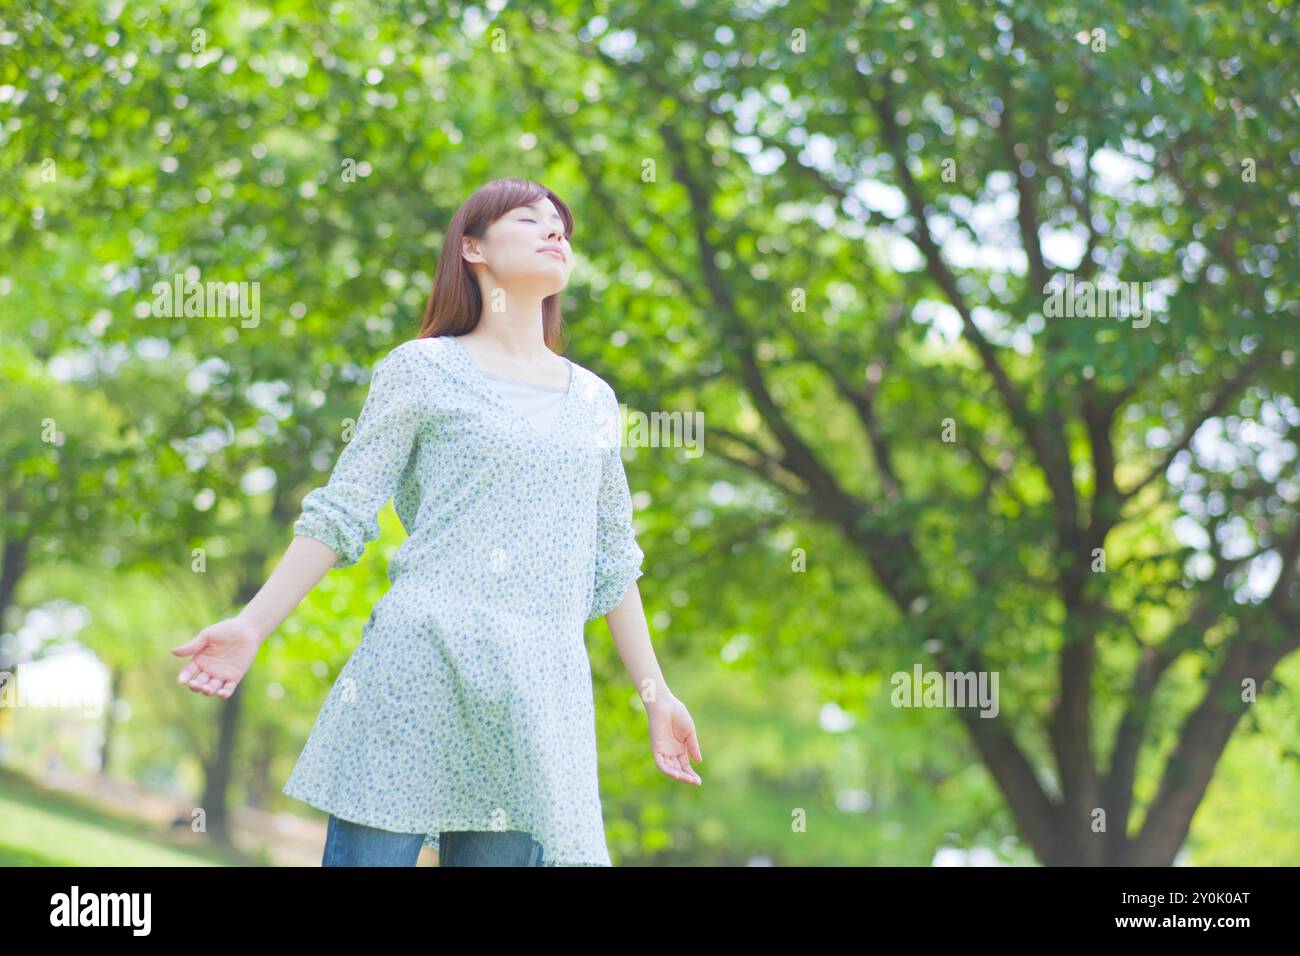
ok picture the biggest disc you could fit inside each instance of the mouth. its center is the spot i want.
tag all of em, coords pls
(554, 252)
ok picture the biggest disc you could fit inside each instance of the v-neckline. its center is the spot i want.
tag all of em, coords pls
(486, 385)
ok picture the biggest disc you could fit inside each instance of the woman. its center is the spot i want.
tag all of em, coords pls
(464, 719)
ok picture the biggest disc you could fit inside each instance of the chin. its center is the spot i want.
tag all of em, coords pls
(550, 284)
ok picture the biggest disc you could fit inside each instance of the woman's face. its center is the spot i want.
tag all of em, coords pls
(527, 247)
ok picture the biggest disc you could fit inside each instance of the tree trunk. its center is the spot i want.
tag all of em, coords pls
(115, 691)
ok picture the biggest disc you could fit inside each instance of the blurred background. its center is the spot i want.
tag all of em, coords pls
(838, 234)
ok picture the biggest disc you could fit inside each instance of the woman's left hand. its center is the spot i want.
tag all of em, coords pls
(672, 740)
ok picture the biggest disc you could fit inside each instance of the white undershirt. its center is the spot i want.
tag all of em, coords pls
(540, 404)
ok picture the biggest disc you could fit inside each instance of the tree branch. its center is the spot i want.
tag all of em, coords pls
(1216, 406)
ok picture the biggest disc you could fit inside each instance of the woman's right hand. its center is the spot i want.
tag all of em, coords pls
(222, 654)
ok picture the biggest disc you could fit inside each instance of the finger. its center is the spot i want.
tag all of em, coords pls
(670, 765)
(193, 646)
(188, 671)
(663, 765)
(688, 772)
(693, 742)
(227, 689)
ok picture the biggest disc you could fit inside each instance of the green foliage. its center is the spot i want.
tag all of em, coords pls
(826, 228)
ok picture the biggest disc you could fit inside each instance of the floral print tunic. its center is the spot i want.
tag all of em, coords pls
(468, 703)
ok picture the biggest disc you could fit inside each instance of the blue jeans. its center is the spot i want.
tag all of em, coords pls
(354, 844)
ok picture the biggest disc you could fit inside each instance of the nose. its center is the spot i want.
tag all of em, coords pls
(554, 231)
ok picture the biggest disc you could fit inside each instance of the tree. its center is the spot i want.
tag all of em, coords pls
(949, 133)
(833, 230)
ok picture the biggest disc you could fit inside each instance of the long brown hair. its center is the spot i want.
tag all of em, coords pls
(456, 302)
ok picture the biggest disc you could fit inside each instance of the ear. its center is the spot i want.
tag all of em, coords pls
(469, 251)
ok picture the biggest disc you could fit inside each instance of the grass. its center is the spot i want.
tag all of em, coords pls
(43, 827)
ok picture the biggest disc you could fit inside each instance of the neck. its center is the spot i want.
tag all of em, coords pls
(516, 331)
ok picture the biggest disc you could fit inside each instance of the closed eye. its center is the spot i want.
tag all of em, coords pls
(525, 219)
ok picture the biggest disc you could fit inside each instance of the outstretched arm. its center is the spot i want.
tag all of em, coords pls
(222, 653)
(338, 520)
(672, 731)
(617, 598)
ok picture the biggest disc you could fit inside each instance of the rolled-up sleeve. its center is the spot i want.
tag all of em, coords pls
(344, 512)
(618, 556)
